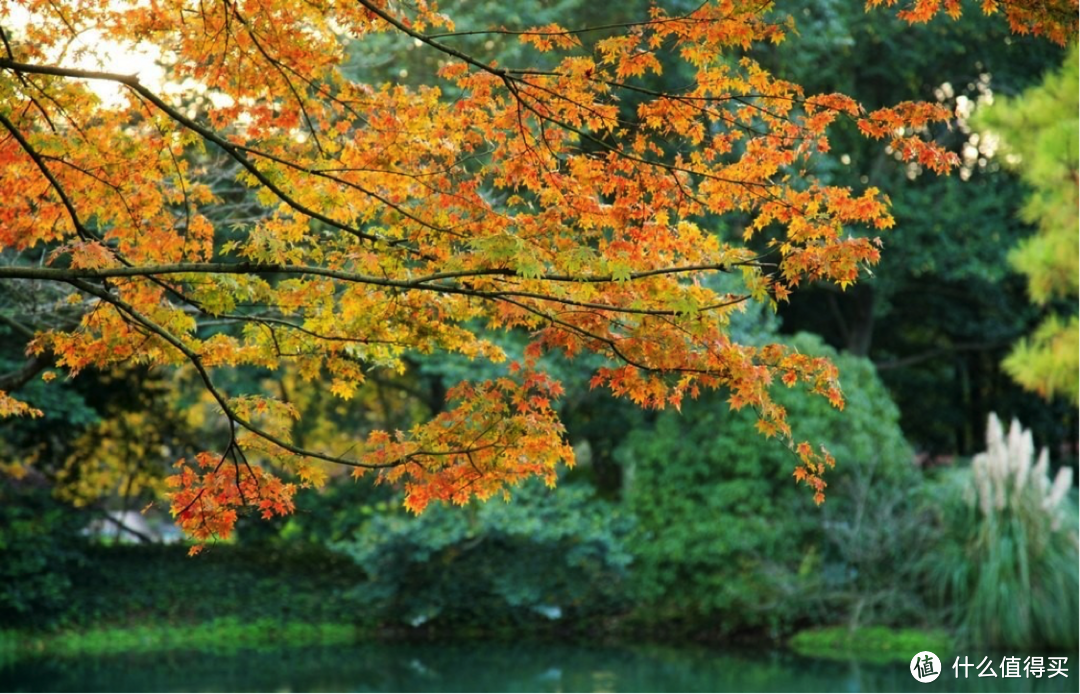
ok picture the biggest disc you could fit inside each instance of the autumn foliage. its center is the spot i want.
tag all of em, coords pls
(396, 221)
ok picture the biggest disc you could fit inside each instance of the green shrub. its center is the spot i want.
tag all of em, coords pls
(53, 578)
(135, 585)
(727, 542)
(546, 554)
(1006, 565)
(41, 548)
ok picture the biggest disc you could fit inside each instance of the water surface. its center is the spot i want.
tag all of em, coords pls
(489, 666)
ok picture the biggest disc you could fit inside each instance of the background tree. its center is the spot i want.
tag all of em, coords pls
(943, 307)
(1039, 135)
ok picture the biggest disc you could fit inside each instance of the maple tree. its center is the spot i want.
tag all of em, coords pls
(395, 221)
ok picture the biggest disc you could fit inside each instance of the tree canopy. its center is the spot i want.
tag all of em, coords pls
(1041, 136)
(565, 195)
(944, 305)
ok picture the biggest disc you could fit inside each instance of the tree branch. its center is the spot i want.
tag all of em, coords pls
(10, 382)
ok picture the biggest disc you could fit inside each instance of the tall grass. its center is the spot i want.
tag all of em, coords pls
(1007, 565)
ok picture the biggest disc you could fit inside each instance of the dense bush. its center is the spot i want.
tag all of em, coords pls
(547, 554)
(726, 541)
(159, 585)
(1006, 563)
(41, 549)
(133, 584)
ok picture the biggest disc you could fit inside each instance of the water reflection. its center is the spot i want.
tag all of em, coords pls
(484, 666)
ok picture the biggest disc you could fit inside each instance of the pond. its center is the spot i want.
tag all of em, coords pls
(486, 666)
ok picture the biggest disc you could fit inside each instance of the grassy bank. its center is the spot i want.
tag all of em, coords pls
(218, 635)
(131, 599)
(870, 644)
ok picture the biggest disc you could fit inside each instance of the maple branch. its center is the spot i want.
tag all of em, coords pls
(508, 77)
(504, 74)
(36, 157)
(418, 284)
(14, 380)
(688, 17)
(237, 152)
(583, 304)
(82, 230)
(609, 341)
(323, 173)
(622, 153)
(673, 95)
(279, 66)
(26, 84)
(105, 182)
(221, 461)
(268, 323)
(424, 282)
(7, 45)
(533, 200)
(187, 204)
(196, 361)
(406, 29)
